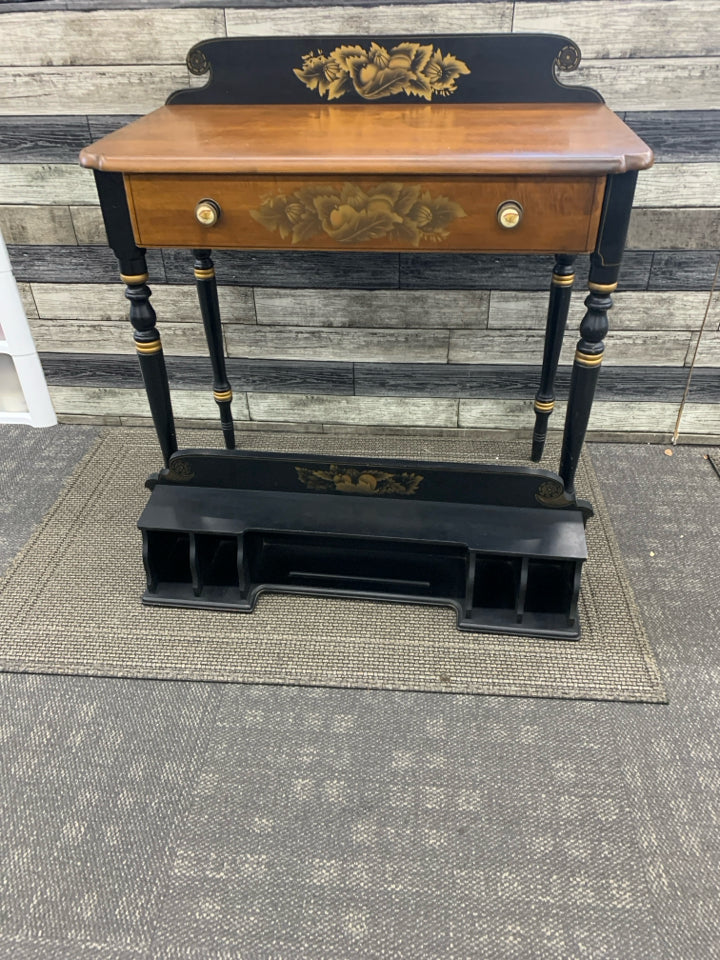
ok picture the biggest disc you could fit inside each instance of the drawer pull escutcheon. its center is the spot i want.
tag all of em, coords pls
(509, 214)
(207, 212)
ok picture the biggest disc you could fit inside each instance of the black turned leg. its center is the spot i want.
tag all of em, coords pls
(152, 360)
(560, 292)
(604, 270)
(210, 310)
(133, 271)
(586, 368)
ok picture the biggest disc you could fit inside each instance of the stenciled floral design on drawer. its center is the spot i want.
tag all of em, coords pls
(415, 69)
(350, 214)
(343, 479)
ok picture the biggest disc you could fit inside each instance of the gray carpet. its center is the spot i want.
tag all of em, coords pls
(72, 601)
(154, 819)
(33, 466)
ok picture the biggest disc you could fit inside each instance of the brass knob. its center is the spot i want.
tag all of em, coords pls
(207, 212)
(509, 214)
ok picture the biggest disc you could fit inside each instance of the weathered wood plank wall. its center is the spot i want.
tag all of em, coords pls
(357, 341)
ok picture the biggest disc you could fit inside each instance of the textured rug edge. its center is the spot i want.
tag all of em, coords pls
(587, 693)
(491, 687)
(602, 513)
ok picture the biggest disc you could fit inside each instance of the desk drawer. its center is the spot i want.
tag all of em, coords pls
(545, 214)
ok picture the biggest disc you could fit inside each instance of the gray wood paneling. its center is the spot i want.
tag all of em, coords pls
(104, 124)
(293, 269)
(65, 39)
(28, 301)
(313, 343)
(633, 28)
(200, 404)
(624, 348)
(708, 354)
(651, 417)
(381, 18)
(117, 402)
(98, 401)
(102, 370)
(87, 336)
(432, 380)
(25, 5)
(49, 264)
(372, 308)
(295, 376)
(37, 224)
(689, 229)
(90, 419)
(504, 271)
(680, 83)
(51, 90)
(647, 311)
(88, 225)
(703, 418)
(679, 185)
(106, 301)
(679, 135)
(683, 270)
(273, 376)
(468, 271)
(348, 306)
(490, 381)
(478, 381)
(30, 6)
(42, 139)
(46, 183)
(402, 411)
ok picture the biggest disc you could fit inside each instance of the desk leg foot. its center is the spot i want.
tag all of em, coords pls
(560, 292)
(586, 368)
(150, 355)
(210, 310)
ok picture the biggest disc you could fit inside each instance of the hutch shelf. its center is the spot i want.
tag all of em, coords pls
(440, 144)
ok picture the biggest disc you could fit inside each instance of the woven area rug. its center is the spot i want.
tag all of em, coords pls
(71, 600)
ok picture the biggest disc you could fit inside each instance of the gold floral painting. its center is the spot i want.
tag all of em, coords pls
(415, 69)
(369, 481)
(349, 214)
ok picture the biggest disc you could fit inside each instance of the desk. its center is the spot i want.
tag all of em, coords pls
(441, 144)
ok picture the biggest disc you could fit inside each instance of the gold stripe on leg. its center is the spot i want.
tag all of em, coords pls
(154, 346)
(588, 359)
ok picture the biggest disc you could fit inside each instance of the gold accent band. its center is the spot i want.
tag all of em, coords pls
(205, 274)
(222, 395)
(602, 287)
(155, 346)
(563, 280)
(134, 278)
(588, 359)
(544, 406)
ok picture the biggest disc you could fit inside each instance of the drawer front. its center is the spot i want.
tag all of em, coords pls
(542, 214)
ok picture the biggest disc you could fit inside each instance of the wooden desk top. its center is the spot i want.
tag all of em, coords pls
(435, 138)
